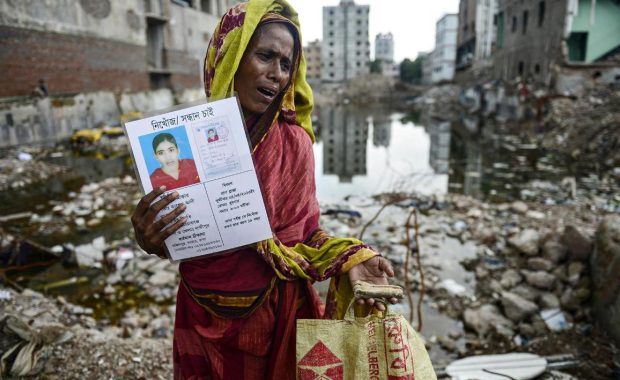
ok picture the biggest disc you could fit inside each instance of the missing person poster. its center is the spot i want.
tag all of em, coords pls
(202, 152)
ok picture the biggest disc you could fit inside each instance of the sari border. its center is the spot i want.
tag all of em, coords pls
(229, 306)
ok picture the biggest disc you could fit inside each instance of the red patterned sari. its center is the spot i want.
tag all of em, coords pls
(236, 313)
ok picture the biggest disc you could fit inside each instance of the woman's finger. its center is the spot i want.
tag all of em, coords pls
(159, 205)
(146, 201)
(143, 205)
(386, 267)
(168, 218)
(173, 228)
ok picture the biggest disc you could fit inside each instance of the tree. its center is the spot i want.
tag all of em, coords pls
(375, 66)
(411, 71)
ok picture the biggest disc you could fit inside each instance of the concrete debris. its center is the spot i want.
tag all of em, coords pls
(516, 307)
(16, 174)
(490, 270)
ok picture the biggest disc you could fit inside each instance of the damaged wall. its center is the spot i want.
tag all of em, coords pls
(50, 120)
(104, 45)
(532, 39)
(76, 46)
(578, 79)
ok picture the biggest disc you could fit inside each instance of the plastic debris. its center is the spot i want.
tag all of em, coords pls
(555, 319)
(23, 156)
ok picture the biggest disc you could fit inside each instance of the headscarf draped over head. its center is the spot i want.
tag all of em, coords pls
(321, 256)
(231, 39)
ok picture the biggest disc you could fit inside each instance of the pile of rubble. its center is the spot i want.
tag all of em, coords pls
(440, 101)
(586, 128)
(54, 339)
(523, 279)
(22, 171)
(527, 280)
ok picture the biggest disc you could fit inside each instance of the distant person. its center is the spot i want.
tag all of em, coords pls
(212, 135)
(40, 91)
(174, 172)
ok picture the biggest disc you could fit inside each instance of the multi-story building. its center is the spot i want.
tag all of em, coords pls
(384, 47)
(313, 60)
(384, 52)
(105, 45)
(444, 55)
(540, 39)
(345, 50)
(476, 33)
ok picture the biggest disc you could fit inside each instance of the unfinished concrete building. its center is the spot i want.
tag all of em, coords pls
(558, 42)
(104, 45)
(345, 53)
(445, 49)
(476, 32)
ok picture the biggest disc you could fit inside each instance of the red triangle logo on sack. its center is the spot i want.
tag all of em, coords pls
(320, 364)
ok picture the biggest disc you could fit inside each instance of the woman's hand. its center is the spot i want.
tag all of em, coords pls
(373, 271)
(151, 234)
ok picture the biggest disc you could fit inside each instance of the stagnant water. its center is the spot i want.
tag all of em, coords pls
(366, 151)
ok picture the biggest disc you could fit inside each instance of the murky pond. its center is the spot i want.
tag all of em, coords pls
(365, 153)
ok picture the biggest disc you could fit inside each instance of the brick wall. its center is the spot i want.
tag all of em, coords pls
(185, 70)
(68, 63)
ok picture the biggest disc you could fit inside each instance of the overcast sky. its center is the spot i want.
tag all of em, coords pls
(412, 22)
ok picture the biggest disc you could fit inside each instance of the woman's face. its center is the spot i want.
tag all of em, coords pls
(167, 154)
(265, 68)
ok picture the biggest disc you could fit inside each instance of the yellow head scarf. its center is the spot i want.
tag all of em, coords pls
(228, 44)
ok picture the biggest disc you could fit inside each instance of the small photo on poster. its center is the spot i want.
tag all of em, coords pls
(212, 135)
(217, 150)
(169, 158)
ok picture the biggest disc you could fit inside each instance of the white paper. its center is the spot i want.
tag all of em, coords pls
(215, 178)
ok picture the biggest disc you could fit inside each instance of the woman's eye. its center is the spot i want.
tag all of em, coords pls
(263, 56)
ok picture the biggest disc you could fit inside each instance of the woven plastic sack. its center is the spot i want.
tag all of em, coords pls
(361, 348)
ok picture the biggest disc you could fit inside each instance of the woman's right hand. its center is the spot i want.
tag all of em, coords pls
(151, 234)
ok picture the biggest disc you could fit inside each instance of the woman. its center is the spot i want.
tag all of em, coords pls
(173, 173)
(236, 313)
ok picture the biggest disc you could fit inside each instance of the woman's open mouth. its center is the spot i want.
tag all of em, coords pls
(267, 92)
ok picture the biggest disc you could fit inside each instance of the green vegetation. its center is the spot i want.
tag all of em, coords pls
(375, 66)
(411, 71)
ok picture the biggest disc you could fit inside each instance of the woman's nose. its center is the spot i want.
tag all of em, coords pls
(275, 72)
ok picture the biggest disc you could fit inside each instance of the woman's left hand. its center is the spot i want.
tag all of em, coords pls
(373, 271)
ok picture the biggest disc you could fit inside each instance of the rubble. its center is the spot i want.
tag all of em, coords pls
(16, 173)
(499, 276)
